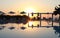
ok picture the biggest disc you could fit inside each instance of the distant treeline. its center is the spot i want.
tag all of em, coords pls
(13, 19)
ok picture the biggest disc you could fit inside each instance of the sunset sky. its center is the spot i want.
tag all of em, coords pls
(33, 5)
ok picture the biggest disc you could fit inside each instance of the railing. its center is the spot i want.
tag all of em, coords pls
(39, 14)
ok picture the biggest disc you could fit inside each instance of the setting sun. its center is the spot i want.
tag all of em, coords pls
(29, 10)
(30, 23)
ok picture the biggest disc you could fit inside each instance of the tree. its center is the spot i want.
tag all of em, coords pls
(22, 12)
(11, 12)
(57, 11)
(1, 13)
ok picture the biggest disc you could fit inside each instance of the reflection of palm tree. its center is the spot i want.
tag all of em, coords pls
(57, 30)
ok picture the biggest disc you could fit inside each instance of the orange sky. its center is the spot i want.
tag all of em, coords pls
(23, 5)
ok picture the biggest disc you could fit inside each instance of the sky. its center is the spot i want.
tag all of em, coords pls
(22, 5)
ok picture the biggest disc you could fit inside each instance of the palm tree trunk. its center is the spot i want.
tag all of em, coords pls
(59, 19)
(52, 20)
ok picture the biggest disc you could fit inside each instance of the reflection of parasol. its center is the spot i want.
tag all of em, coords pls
(23, 28)
(2, 27)
(12, 27)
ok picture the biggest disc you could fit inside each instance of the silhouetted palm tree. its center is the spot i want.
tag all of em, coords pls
(22, 12)
(57, 11)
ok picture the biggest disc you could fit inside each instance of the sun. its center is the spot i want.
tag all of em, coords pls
(29, 10)
(30, 23)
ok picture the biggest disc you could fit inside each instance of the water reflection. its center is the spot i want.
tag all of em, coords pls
(23, 28)
(57, 30)
(11, 28)
(2, 27)
(32, 24)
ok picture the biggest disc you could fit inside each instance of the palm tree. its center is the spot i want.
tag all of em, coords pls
(57, 11)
